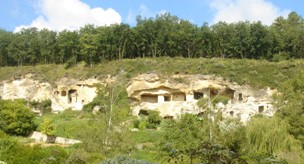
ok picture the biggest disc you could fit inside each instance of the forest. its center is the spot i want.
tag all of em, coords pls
(166, 45)
(163, 36)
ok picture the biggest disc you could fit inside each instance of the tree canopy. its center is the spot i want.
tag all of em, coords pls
(164, 35)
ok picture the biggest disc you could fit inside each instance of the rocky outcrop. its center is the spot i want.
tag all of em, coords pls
(73, 94)
(40, 137)
(25, 87)
(68, 93)
(178, 94)
(170, 95)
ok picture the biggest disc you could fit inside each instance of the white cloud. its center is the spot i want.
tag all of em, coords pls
(242, 10)
(71, 14)
(143, 11)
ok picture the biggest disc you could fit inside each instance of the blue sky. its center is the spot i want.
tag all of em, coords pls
(72, 14)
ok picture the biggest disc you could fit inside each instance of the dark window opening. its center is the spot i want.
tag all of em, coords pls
(72, 91)
(72, 94)
(240, 97)
(198, 95)
(149, 98)
(201, 114)
(168, 117)
(228, 92)
(63, 93)
(213, 92)
(143, 113)
(231, 113)
(261, 109)
(167, 98)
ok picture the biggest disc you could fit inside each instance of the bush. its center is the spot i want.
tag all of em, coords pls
(44, 106)
(125, 160)
(136, 123)
(154, 120)
(222, 99)
(16, 118)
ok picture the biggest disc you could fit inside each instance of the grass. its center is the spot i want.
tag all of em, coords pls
(69, 123)
(259, 73)
(72, 124)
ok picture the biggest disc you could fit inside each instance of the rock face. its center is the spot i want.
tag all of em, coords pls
(39, 137)
(171, 95)
(25, 88)
(178, 94)
(68, 93)
(71, 93)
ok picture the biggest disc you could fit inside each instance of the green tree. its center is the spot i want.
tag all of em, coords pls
(16, 118)
(89, 44)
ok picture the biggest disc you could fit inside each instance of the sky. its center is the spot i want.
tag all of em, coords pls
(73, 14)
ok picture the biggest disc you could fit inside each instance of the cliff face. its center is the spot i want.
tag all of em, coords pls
(170, 95)
(178, 94)
(68, 93)
(25, 88)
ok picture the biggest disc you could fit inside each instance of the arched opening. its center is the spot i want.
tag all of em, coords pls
(72, 95)
(56, 93)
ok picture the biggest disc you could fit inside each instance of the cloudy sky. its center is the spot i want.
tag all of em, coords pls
(72, 14)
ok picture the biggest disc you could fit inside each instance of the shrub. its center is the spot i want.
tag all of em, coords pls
(16, 118)
(136, 123)
(154, 119)
(43, 106)
(222, 99)
(125, 160)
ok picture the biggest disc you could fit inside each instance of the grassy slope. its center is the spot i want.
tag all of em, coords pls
(254, 72)
(257, 73)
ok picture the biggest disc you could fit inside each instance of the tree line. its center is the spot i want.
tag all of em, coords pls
(164, 35)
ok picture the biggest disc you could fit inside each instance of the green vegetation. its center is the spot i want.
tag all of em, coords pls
(108, 135)
(163, 36)
(16, 118)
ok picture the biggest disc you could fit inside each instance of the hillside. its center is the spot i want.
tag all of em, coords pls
(257, 73)
(114, 134)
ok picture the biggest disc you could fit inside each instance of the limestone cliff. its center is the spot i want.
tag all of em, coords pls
(170, 95)
(178, 94)
(68, 93)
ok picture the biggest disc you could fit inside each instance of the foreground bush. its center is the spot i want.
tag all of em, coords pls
(16, 118)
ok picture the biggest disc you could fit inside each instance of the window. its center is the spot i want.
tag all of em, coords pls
(240, 97)
(261, 109)
(198, 95)
(63, 93)
(167, 98)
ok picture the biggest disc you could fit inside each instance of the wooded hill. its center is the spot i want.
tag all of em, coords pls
(164, 35)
